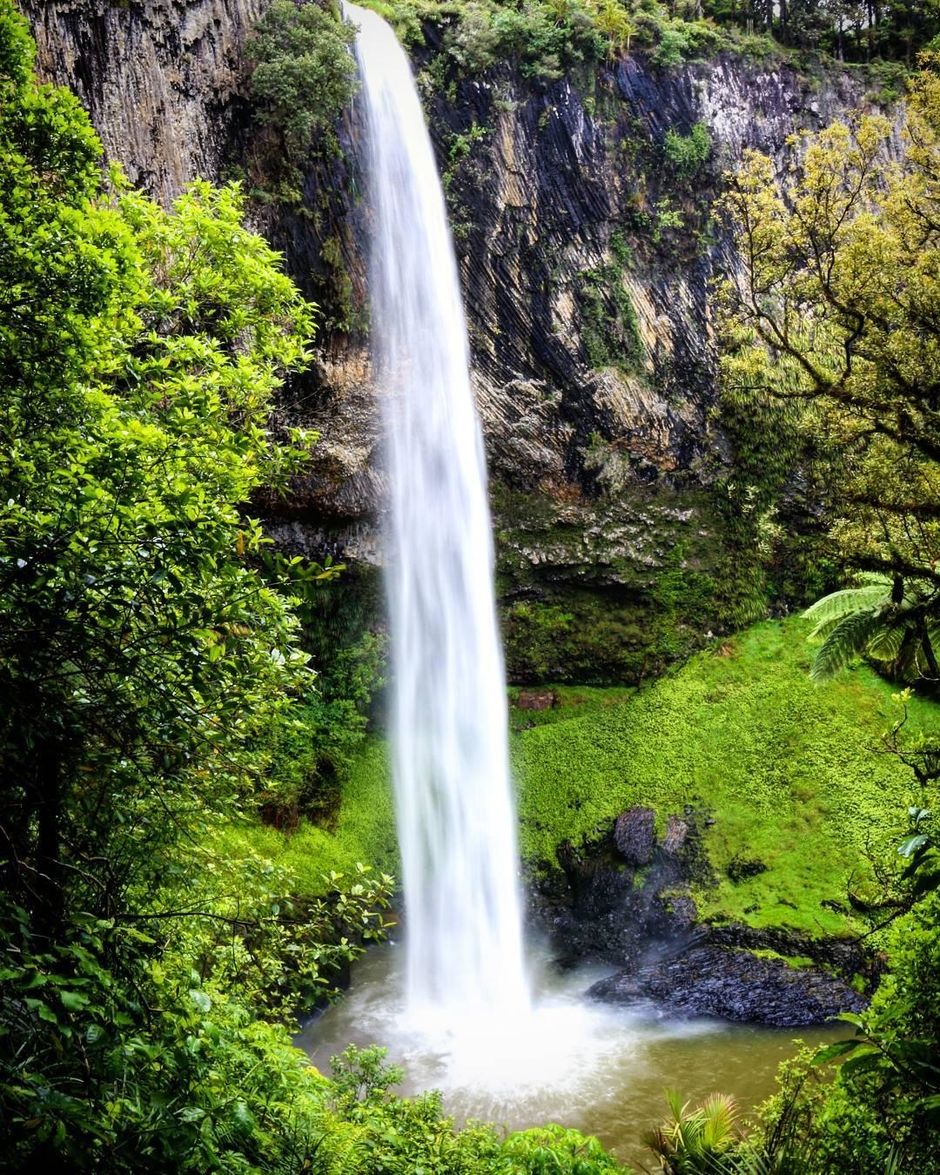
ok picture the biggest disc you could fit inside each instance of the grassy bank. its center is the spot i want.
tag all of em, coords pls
(364, 830)
(792, 774)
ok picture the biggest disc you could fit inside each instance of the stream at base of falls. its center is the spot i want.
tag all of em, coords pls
(599, 1068)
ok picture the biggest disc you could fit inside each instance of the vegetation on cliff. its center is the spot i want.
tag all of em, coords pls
(546, 38)
(149, 673)
(830, 328)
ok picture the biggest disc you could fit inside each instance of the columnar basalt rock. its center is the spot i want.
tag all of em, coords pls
(586, 257)
(163, 80)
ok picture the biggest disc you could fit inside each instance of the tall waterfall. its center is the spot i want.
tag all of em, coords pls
(456, 817)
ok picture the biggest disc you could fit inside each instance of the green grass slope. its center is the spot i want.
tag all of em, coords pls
(364, 830)
(793, 774)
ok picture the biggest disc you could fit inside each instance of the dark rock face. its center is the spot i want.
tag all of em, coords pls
(733, 985)
(162, 80)
(586, 261)
(643, 921)
(635, 836)
(608, 907)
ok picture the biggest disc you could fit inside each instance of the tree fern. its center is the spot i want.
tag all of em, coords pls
(832, 608)
(892, 623)
(845, 643)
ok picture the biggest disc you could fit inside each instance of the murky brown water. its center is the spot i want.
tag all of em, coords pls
(601, 1069)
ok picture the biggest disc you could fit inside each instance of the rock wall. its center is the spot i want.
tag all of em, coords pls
(587, 255)
(163, 80)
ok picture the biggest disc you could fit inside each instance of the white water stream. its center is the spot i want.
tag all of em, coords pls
(456, 819)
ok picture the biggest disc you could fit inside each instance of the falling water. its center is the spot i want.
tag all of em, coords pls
(449, 729)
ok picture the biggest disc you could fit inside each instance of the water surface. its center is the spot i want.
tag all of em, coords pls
(596, 1067)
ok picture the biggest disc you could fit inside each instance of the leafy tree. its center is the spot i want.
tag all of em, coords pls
(142, 658)
(830, 319)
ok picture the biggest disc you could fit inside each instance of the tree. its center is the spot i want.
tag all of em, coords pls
(830, 320)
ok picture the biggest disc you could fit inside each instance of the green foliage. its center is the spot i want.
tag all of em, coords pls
(673, 40)
(610, 330)
(687, 154)
(878, 1111)
(892, 622)
(543, 39)
(303, 77)
(694, 1142)
(313, 748)
(546, 38)
(401, 1136)
(361, 828)
(824, 322)
(554, 1150)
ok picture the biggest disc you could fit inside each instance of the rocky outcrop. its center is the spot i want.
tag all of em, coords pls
(733, 985)
(635, 836)
(587, 254)
(625, 900)
(163, 80)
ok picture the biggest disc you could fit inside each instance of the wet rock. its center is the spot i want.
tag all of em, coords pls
(733, 985)
(536, 699)
(683, 913)
(676, 833)
(635, 835)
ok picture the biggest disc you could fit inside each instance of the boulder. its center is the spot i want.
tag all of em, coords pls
(635, 836)
(733, 985)
(676, 833)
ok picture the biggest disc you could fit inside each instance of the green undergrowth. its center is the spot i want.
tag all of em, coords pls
(363, 831)
(792, 773)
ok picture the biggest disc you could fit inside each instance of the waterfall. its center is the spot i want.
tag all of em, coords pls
(455, 811)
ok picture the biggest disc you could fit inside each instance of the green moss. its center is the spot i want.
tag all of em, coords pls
(364, 830)
(788, 770)
(614, 591)
(570, 701)
(794, 961)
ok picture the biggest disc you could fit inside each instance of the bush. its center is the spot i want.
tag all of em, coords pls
(687, 154)
(302, 79)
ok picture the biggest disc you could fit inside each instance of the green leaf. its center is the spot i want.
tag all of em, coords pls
(844, 644)
(839, 1049)
(908, 847)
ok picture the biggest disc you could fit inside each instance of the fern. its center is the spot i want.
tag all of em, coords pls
(837, 605)
(885, 645)
(847, 641)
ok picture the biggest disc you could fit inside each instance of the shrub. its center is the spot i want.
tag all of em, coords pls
(303, 77)
(687, 154)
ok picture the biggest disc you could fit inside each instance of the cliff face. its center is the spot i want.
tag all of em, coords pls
(162, 79)
(587, 249)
